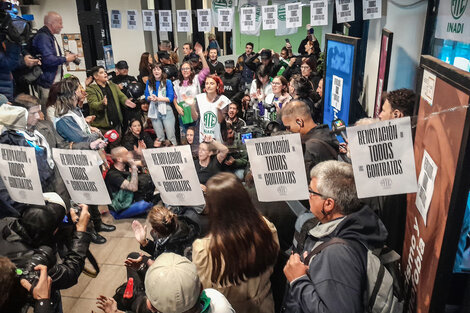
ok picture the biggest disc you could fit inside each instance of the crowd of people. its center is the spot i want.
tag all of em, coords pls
(220, 257)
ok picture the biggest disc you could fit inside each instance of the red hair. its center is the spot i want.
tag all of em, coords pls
(218, 81)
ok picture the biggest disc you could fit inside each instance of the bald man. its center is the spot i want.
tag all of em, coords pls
(52, 57)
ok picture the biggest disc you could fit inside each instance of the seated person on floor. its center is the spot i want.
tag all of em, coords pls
(211, 156)
(125, 185)
(136, 139)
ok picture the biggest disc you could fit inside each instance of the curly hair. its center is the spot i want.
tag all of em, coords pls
(402, 100)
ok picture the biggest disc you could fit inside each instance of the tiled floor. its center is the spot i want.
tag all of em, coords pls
(81, 298)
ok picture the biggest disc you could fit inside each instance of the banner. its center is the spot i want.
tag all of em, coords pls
(382, 158)
(319, 12)
(82, 176)
(282, 29)
(257, 4)
(19, 172)
(451, 19)
(371, 9)
(247, 20)
(293, 15)
(225, 20)
(174, 174)
(183, 19)
(344, 11)
(148, 20)
(132, 19)
(164, 17)
(115, 19)
(204, 20)
(216, 6)
(278, 168)
(269, 14)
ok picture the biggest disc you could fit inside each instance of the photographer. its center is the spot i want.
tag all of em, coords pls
(31, 240)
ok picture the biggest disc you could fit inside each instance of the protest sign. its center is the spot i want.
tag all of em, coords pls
(148, 20)
(371, 9)
(319, 12)
(204, 20)
(344, 11)
(382, 158)
(164, 17)
(183, 18)
(225, 20)
(278, 168)
(293, 14)
(82, 176)
(269, 13)
(247, 19)
(174, 174)
(115, 19)
(132, 19)
(19, 172)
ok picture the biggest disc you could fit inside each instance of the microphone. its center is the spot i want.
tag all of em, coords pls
(111, 135)
(338, 127)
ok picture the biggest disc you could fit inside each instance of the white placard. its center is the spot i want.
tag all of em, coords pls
(371, 9)
(174, 174)
(204, 20)
(428, 86)
(115, 19)
(248, 19)
(426, 179)
(183, 20)
(278, 168)
(319, 12)
(148, 20)
(344, 11)
(336, 92)
(20, 175)
(269, 14)
(82, 176)
(132, 19)
(225, 20)
(293, 15)
(383, 158)
(165, 23)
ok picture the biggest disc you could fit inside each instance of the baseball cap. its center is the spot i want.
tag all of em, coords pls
(121, 65)
(229, 63)
(172, 284)
(265, 54)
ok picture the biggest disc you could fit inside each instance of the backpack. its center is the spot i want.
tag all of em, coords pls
(384, 280)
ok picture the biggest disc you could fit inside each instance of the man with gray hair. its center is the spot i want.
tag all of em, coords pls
(335, 279)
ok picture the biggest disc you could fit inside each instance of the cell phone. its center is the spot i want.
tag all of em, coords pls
(287, 40)
(246, 136)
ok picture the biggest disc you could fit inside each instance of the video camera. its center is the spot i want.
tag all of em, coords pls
(15, 28)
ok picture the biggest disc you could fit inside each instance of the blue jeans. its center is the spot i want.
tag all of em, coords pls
(166, 121)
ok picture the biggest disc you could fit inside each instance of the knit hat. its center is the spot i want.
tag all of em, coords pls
(172, 284)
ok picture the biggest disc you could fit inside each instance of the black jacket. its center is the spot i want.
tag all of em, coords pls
(232, 88)
(218, 68)
(274, 66)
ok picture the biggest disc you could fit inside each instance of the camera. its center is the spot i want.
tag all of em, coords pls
(77, 61)
(44, 255)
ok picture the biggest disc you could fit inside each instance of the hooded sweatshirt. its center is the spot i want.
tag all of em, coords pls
(336, 277)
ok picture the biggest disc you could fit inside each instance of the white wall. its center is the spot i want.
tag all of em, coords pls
(407, 25)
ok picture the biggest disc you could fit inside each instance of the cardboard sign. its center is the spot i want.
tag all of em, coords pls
(278, 168)
(225, 20)
(183, 20)
(204, 20)
(293, 15)
(371, 9)
(148, 20)
(132, 19)
(319, 12)
(248, 19)
(174, 174)
(269, 14)
(19, 172)
(382, 158)
(116, 19)
(344, 11)
(164, 17)
(82, 176)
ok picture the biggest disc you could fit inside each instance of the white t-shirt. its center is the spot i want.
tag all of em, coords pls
(219, 304)
(208, 119)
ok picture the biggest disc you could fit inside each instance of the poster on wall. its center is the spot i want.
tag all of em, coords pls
(384, 69)
(183, 20)
(269, 14)
(108, 57)
(282, 29)
(19, 172)
(132, 19)
(293, 15)
(116, 19)
(257, 4)
(73, 43)
(225, 20)
(204, 20)
(344, 11)
(337, 90)
(319, 12)
(440, 147)
(164, 18)
(278, 168)
(217, 5)
(148, 20)
(371, 9)
(453, 20)
(247, 20)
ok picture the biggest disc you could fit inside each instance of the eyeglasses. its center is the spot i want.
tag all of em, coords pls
(185, 69)
(315, 193)
(276, 84)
